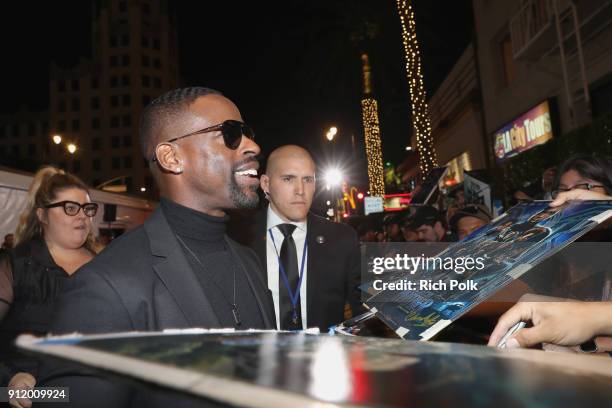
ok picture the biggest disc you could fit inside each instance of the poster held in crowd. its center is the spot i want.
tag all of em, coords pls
(506, 248)
(477, 191)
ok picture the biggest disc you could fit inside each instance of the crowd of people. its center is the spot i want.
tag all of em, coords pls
(426, 223)
(284, 268)
(452, 217)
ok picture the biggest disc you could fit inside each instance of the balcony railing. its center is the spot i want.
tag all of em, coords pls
(533, 21)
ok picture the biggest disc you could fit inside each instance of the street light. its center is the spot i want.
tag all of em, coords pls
(71, 147)
(57, 139)
(333, 177)
(331, 133)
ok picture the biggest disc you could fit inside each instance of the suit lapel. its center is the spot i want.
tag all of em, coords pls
(175, 272)
(260, 242)
(314, 263)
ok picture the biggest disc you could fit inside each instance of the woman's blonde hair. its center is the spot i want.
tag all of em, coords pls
(48, 181)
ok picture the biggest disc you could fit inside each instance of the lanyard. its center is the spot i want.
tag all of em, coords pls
(294, 298)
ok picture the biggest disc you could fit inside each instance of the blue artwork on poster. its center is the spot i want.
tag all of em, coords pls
(509, 246)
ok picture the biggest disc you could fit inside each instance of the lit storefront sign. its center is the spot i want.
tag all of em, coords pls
(530, 129)
(396, 202)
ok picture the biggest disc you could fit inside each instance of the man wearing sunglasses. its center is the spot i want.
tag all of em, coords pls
(179, 269)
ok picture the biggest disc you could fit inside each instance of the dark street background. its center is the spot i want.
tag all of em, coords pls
(292, 67)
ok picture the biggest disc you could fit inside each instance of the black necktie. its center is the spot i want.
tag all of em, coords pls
(290, 319)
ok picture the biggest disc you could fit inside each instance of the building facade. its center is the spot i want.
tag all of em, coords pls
(96, 104)
(537, 69)
(24, 138)
(535, 55)
(456, 119)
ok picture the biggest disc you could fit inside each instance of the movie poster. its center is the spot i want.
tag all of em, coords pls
(507, 248)
(476, 191)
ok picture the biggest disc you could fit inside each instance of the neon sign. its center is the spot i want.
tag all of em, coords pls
(528, 130)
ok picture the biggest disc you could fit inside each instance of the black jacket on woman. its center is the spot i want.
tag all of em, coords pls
(30, 281)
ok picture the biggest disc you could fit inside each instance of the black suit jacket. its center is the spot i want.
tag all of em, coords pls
(142, 281)
(334, 268)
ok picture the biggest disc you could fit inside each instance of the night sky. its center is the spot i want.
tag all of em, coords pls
(292, 67)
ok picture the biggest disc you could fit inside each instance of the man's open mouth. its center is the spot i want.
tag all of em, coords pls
(247, 173)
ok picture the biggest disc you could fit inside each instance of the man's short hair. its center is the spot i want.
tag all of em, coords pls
(165, 109)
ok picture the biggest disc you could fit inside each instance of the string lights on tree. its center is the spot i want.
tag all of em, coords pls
(369, 111)
(420, 114)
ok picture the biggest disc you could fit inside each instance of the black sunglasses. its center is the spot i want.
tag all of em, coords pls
(232, 131)
(72, 208)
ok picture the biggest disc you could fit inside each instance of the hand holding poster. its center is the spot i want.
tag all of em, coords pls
(418, 296)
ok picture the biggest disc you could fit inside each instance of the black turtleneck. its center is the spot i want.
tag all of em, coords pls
(205, 236)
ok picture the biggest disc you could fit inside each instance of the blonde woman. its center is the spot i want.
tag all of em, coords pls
(54, 238)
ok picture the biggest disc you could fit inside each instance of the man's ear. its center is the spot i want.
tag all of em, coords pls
(264, 182)
(169, 158)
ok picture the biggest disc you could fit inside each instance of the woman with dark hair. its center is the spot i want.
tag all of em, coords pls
(584, 172)
(565, 323)
(54, 238)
